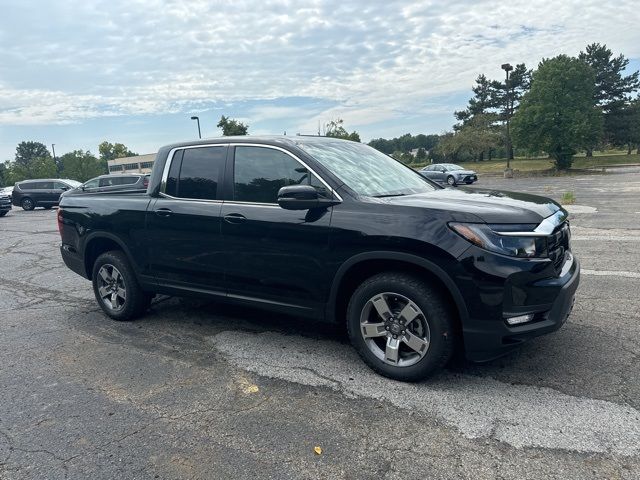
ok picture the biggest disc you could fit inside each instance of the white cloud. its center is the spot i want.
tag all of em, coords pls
(69, 61)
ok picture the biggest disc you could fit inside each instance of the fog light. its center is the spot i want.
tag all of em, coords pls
(520, 319)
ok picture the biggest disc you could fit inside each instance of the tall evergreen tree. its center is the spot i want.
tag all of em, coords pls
(613, 89)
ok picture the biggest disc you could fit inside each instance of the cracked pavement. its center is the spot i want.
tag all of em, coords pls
(200, 390)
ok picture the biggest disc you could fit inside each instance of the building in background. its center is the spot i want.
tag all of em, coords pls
(137, 164)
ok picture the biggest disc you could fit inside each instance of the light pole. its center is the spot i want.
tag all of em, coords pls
(507, 68)
(197, 119)
(53, 149)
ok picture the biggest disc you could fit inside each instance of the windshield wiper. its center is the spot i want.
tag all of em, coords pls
(390, 195)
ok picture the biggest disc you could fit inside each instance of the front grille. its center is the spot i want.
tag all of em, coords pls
(558, 245)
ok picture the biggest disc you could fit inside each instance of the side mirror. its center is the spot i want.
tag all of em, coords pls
(302, 197)
(64, 189)
(83, 187)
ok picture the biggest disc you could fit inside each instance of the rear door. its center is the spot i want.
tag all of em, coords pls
(45, 193)
(183, 224)
(274, 257)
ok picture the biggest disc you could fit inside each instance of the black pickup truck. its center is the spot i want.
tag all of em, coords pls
(332, 230)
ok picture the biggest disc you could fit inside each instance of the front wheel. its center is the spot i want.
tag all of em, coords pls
(450, 180)
(116, 287)
(27, 204)
(400, 326)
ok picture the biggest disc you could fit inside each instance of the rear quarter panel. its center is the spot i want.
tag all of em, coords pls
(119, 216)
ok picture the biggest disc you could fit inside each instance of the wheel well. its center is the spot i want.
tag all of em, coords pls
(94, 249)
(357, 274)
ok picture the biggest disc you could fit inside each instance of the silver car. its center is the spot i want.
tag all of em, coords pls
(449, 173)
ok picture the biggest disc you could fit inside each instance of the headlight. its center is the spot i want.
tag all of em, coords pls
(484, 237)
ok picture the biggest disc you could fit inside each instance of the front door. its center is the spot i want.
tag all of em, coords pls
(183, 224)
(275, 257)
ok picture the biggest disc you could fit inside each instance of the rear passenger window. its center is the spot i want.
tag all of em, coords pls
(196, 172)
(128, 180)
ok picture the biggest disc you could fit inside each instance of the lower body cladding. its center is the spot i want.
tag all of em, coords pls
(505, 311)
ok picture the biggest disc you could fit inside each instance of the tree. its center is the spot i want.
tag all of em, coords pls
(335, 129)
(405, 143)
(231, 127)
(80, 165)
(111, 151)
(421, 154)
(612, 88)
(557, 115)
(471, 140)
(27, 152)
(37, 168)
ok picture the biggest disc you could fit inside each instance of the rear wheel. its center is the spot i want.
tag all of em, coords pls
(27, 204)
(400, 326)
(116, 287)
(450, 180)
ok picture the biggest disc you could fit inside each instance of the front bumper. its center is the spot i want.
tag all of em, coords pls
(552, 300)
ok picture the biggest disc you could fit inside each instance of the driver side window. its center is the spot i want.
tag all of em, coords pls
(260, 172)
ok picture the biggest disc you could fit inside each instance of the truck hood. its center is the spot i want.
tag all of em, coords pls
(490, 206)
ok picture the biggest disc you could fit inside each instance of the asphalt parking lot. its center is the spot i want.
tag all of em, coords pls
(197, 390)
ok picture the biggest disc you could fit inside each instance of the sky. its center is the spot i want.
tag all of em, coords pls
(75, 73)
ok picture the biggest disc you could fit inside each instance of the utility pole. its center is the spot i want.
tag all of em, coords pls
(55, 160)
(197, 119)
(507, 68)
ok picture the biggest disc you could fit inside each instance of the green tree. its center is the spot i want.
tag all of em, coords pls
(27, 152)
(557, 115)
(421, 154)
(612, 87)
(335, 129)
(37, 168)
(111, 151)
(231, 127)
(80, 165)
(471, 140)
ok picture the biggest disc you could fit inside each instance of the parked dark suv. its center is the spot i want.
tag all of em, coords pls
(332, 230)
(113, 182)
(42, 192)
(5, 203)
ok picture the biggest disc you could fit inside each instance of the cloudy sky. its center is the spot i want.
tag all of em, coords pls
(75, 73)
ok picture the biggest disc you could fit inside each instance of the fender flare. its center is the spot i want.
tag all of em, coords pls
(105, 235)
(428, 265)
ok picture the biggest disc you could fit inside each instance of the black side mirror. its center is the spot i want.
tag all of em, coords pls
(302, 197)
(64, 189)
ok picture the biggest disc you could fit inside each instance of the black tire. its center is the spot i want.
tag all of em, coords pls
(436, 314)
(27, 204)
(451, 181)
(137, 300)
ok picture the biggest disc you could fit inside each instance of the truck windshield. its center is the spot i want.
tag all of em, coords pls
(366, 170)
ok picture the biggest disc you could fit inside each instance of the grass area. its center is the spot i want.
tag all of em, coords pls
(542, 164)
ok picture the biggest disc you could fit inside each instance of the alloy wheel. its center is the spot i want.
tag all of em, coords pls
(394, 329)
(111, 287)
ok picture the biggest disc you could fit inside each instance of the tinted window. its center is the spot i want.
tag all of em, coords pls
(91, 183)
(129, 180)
(197, 174)
(260, 172)
(107, 181)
